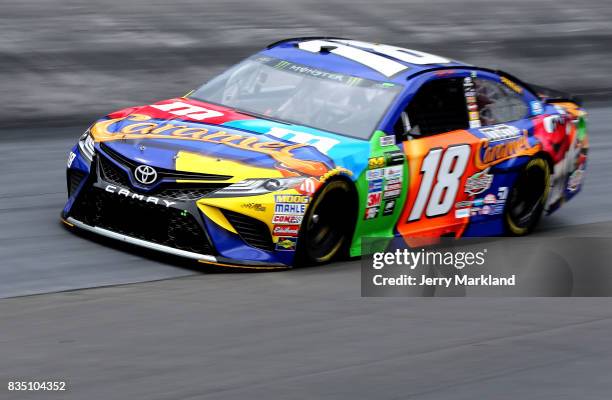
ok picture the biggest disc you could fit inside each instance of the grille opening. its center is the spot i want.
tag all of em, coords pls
(74, 178)
(253, 231)
(146, 221)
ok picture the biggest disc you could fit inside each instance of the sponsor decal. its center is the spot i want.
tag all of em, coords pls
(502, 193)
(254, 206)
(286, 230)
(375, 186)
(389, 194)
(286, 244)
(393, 186)
(474, 115)
(188, 110)
(486, 210)
(138, 126)
(323, 144)
(490, 199)
(375, 174)
(511, 85)
(478, 183)
(71, 158)
(388, 140)
(291, 198)
(376, 162)
(394, 158)
(475, 124)
(289, 209)
(371, 213)
(393, 181)
(147, 199)
(389, 207)
(488, 154)
(463, 204)
(536, 107)
(501, 132)
(462, 213)
(374, 199)
(498, 209)
(394, 172)
(309, 186)
(287, 219)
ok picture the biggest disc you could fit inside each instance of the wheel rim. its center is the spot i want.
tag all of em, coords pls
(326, 227)
(527, 196)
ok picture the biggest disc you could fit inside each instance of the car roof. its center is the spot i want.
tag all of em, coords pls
(289, 50)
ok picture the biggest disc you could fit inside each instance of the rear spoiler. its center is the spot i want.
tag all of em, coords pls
(554, 96)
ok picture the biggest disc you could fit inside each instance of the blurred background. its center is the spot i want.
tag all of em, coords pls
(67, 61)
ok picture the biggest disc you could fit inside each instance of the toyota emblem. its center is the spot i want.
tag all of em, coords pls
(145, 174)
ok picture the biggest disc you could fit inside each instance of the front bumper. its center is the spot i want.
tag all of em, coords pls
(104, 201)
(202, 258)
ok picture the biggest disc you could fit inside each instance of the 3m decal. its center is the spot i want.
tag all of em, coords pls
(374, 199)
(441, 170)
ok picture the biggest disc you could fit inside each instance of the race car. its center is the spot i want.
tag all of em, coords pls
(298, 153)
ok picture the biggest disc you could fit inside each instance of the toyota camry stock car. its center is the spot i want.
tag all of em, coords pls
(297, 153)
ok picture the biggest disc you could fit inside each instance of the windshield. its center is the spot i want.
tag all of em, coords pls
(302, 95)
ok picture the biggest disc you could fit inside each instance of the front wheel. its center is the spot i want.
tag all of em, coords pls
(327, 226)
(527, 198)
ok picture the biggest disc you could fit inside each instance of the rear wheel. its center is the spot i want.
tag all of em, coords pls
(327, 226)
(527, 198)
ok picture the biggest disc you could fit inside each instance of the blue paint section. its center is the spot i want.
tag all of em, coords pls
(81, 164)
(488, 207)
(230, 245)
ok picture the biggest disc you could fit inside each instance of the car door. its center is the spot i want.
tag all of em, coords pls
(440, 151)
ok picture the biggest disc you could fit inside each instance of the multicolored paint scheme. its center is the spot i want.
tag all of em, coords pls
(404, 189)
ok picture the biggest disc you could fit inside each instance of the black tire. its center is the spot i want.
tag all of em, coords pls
(527, 198)
(327, 226)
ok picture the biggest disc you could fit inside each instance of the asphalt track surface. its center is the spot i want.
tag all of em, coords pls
(299, 334)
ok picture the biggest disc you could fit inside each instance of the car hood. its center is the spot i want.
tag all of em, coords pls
(188, 135)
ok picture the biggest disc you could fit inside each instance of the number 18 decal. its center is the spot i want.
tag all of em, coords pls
(441, 170)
